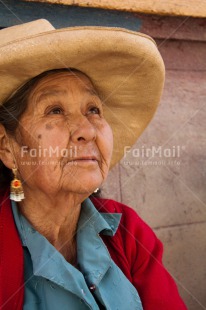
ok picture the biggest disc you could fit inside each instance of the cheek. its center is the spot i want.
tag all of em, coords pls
(55, 138)
(46, 135)
(106, 142)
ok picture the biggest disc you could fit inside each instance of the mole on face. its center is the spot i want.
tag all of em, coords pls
(39, 136)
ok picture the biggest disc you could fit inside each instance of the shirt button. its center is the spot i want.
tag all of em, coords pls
(92, 288)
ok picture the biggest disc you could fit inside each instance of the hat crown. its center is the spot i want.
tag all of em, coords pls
(18, 32)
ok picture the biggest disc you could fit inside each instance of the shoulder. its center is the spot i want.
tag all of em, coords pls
(134, 237)
(138, 253)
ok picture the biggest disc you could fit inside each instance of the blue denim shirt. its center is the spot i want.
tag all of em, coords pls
(51, 283)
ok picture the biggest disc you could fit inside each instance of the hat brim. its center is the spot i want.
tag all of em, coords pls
(124, 66)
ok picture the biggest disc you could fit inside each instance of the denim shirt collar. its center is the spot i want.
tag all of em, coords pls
(103, 223)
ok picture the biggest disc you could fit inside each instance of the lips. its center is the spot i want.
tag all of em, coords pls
(84, 162)
(84, 158)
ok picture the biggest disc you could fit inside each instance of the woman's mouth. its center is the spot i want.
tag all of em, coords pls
(83, 161)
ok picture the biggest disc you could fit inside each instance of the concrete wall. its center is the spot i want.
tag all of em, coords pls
(169, 192)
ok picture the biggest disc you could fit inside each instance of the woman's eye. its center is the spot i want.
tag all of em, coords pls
(56, 110)
(94, 110)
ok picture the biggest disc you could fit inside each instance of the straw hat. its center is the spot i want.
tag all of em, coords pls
(124, 66)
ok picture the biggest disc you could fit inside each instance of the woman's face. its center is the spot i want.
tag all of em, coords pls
(64, 142)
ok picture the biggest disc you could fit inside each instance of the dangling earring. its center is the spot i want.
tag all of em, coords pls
(16, 190)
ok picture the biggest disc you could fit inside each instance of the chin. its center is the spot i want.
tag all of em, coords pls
(80, 181)
(84, 186)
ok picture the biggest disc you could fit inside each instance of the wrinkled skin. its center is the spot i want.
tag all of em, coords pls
(62, 150)
(63, 125)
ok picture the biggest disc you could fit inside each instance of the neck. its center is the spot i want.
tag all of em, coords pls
(56, 218)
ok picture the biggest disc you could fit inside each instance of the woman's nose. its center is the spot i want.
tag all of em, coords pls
(83, 131)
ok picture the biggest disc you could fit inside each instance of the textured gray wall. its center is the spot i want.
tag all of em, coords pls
(169, 193)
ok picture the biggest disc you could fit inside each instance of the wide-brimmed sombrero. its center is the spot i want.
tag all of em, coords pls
(124, 66)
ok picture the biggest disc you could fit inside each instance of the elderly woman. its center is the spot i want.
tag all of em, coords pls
(61, 93)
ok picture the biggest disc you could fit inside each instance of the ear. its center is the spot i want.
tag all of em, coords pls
(6, 154)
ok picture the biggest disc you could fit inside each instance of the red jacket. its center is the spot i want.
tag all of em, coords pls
(134, 248)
